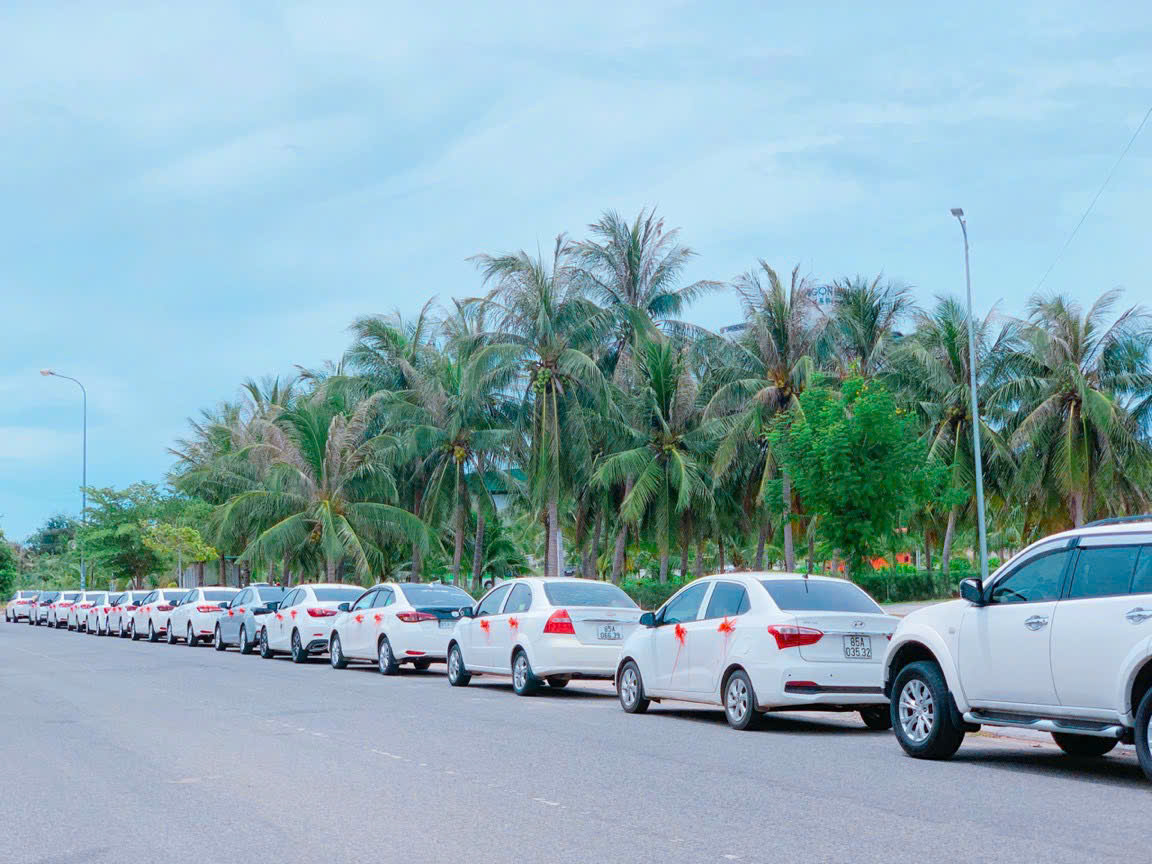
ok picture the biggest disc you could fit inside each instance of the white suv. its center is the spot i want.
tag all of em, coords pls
(1060, 639)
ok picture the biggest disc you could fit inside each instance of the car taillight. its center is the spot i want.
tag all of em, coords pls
(414, 617)
(132, 607)
(208, 609)
(165, 608)
(560, 623)
(317, 612)
(790, 636)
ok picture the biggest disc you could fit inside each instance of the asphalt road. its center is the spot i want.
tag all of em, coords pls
(119, 751)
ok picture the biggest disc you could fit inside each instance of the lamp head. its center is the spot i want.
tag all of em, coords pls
(957, 212)
(47, 372)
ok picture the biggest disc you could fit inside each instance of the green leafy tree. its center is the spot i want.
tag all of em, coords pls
(179, 543)
(116, 527)
(9, 569)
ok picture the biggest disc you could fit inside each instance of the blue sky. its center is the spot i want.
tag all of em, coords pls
(198, 192)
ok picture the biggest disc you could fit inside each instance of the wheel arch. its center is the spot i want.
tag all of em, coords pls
(923, 646)
(1139, 682)
(728, 671)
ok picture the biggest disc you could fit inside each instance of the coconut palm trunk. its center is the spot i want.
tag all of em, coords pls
(949, 534)
(553, 564)
(699, 564)
(789, 551)
(458, 552)
(478, 552)
(761, 541)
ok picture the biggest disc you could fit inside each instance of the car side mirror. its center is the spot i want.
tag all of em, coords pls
(273, 605)
(225, 604)
(344, 607)
(467, 612)
(648, 619)
(972, 590)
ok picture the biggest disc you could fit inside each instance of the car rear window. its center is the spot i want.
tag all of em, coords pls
(72, 595)
(587, 594)
(338, 595)
(270, 595)
(220, 595)
(436, 595)
(816, 595)
(51, 597)
(137, 596)
(172, 595)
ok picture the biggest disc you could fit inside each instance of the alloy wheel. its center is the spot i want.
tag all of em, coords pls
(520, 671)
(736, 701)
(630, 686)
(917, 711)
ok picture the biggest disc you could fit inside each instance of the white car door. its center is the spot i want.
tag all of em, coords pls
(712, 642)
(1004, 654)
(357, 628)
(673, 645)
(480, 652)
(281, 624)
(1105, 615)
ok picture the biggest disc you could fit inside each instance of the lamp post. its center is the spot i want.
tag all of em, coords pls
(959, 214)
(84, 469)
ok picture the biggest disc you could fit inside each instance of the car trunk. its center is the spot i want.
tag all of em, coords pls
(602, 625)
(446, 617)
(860, 637)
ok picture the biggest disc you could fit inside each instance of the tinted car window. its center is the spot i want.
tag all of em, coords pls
(72, 595)
(587, 594)
(173, 595)
(366, 601)
(1034, 582)
(269, 595)
(520, 600)
(1103, 571)
(339, 595)
(685, 606)
(243, 597)
(817, 595)
(219, 595)
(50, 597)
(1142, 578)
(490, 605)
(138, 596)
(448, 596)
(728, 598)
(384, 598)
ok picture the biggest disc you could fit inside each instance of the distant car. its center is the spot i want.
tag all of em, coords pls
(540, 630)
(119, 618)
(240, 624)
(150, 618)
(39, 610)
(758, 642)
(77, 617)
(302, 624)
(58, 608)
(96, 616)
(196, 615)
(19, 606)
(398, 623)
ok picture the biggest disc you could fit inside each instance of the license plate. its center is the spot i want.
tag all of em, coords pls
(858, 647)
(447, 623)
(607, 632)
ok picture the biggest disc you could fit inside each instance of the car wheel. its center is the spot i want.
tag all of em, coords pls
(1143, 734)
(336, 653)
(245, 645)
(385, 659)
(153, 636)
(299, 655)
(191, 638)
(421, 665)
(132, 631)
(1089, 746)
(630, 689)
(524, 682)
(458, 676)
(877, 719)
(265, 651)
(558, 682)
(740, 702)
(922, 712)
(170, 634)
(218, 639)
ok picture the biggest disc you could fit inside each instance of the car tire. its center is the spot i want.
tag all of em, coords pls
(558, 682)
(740, 702)
(132, 634)
(245, 645)
(336, 653)
(299, 655)
(630, 689)
(218, 639)
(191, 638)
(170, 634)
(877, 719)
(153, 636)
(1084, 746)
(524, 680)
(265, 650)
(385, 658)
(458, 674)
(1143, 734)
(922, 712)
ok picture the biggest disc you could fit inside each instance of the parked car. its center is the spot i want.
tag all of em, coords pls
(302, 624)
(194, 618)
(1059, 639)
(119, 619)
(241, 622)
(77, 617)
(398, 623)
(57, 613)
(96, 616)
(20, 606)
(760, 642)
(150, 618)
(39, 608)
(538, 630)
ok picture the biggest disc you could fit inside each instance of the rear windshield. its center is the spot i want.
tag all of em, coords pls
(137, 596)
(220, 595)
(50, 597)
(816, 595)
(271, 595)
(339, 595)
(72, 595)
(436, 595)
(95, 598)
(173, 595)
(587, 594)
(27, 594)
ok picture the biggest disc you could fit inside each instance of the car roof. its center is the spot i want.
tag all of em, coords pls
(329, 585)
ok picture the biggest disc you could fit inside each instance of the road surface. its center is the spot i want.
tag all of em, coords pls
(120, 751)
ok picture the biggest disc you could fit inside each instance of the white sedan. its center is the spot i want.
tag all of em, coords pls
(757, 642)
(540, 630)
(118, 621)
(19, 606)
(77, 618)
(302, 623)
(58, 608)
(150, 618)
(398, 623)
(195, 617)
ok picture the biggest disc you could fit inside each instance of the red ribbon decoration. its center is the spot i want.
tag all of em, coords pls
(293, 613)
(378, 617)
(726, 627)
(680, 633)
(513, 624)
(359, 617)
(230, 613)
(240, 610)
(279, 617)
(485, 626)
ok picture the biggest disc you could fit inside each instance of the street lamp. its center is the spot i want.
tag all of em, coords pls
(84, 470)
(959, 214)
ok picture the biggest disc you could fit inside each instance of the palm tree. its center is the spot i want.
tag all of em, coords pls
(544, 328)
(322, 501)
(765, 372)
(1075, 376)
(864, 323)
(669, 447)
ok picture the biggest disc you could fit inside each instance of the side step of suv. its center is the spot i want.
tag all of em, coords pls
(1048, 724)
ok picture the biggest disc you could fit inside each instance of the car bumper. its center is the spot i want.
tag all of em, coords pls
(566, 655)
(818, 684)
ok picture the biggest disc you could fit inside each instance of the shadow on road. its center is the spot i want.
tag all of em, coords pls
(1049, 763)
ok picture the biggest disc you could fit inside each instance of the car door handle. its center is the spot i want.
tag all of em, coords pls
(1036, 622)
(1138, 615)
